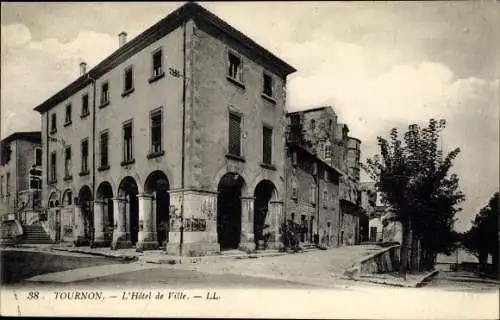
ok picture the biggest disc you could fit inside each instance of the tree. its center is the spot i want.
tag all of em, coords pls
(482, 238)
(412, 175)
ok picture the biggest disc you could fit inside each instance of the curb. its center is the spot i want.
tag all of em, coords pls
(414, 284)
(97, 253)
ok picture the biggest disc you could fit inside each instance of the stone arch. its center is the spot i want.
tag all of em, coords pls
(157, 184)
(104, 193)
(67, 197)
(129, 189)
(224, 171)
(53, 200)
(85, 200)
(230, 189)
(265, 192)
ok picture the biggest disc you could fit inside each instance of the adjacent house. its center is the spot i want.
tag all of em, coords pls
(20, 176)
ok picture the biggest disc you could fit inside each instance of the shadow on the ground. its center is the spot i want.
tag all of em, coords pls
(20, 265)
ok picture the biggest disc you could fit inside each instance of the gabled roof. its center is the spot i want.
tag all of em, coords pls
(188, 11)
(32, 136)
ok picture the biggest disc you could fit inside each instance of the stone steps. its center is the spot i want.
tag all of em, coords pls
(35, 234)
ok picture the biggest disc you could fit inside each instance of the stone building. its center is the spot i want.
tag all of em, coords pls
(173, 140)
(20, 173)
(322, 175)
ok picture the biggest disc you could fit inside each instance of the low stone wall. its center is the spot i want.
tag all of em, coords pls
(381, 262)
(11, 231)
(384, 261)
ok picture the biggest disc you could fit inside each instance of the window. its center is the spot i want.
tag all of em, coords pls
(38, 156)
(128, 154)
(7, 183)
(104, 93)
(103, 147)
(267, 144)
(328, 152)
(325, 197)
(294, 188)
(235, 68)
(128, 80)
(313, 193)
(69, 198)
(67, 118)
(85, 156)
(312, 124)
(234, 134)
(268, 85)
(53, 167)
(53, 123)
(67, 162)
(85, 105)
(1, 186)
(156, 131)
(157, 63)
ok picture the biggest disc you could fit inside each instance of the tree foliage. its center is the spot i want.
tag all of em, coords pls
(482, 238)
(412, 174)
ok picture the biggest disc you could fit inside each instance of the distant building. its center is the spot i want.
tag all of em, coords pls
(376, 211)
(322, 175)
(20, 176)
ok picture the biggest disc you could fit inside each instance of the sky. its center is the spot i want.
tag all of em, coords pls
(378, 64)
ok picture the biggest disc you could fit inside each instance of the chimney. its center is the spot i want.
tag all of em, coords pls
(83, 68)
(122, 38)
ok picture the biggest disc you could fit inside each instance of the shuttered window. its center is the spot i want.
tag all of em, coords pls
(53, 167)
(267, 145)
(128, 154)
(234, 134)
(103, 146)
(85, 156)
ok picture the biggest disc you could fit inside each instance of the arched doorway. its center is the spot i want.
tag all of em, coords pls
(157, 184)
(85, 203)
(229, 210)
(67, 213)
(54, 215)
(128, 189)
(265, 191)
(105, 193)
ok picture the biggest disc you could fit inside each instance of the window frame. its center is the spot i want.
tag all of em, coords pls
(68, 111)
(269, 97)
(161, 73)
(85, 98)
(152, 152)
(127, 91)
(103, 102)
(53, 167)
(36, 162)
(229, 151)
(82, 162)
(68, 170)
(264, 128)
(103, 166)
(53, 122)
(125, 124)
(239, 80)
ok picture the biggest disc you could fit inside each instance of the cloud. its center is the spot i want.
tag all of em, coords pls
(32, 71)
(339, 74)
(374, 77)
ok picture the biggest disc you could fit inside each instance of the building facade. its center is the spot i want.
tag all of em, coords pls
(20, 173)
(174, 140)
(322, 175)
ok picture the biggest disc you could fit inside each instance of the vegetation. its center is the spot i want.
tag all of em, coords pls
(482, 238)
(412, 174)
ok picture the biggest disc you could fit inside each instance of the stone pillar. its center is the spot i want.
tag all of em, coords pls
(120, 235)
(146, 239)
(247, 240)
(274, 220)
(127, 217)
(99, 240)
(79, 230)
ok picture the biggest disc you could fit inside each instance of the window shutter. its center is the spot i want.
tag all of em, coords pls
(234, 134)
(267, 135)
